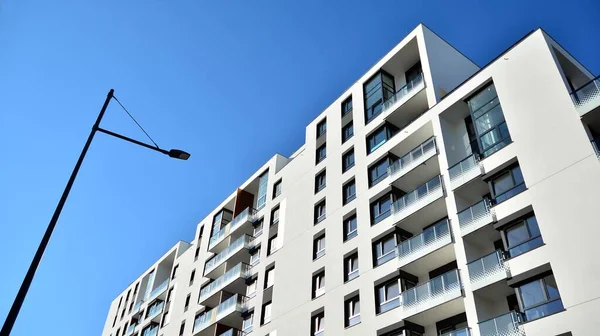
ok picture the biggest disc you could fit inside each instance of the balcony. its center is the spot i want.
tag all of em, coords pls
(130, 329)
(417, 199)
(460, 332)
(227, 313)
(465, 171)
(413, 159)
(232, 281)
(487, 270)
(150, 331)
(233, 332)
(425, 243)
(136, 307)
(218, 243)
(476, 216)
(403, 94)
(233, 254)
(587, 97)
(155, 310)
(503, 325)
(156, 292)
(435, 292)
(247, 216)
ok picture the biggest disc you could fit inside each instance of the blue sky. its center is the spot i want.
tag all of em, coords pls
(232, 82)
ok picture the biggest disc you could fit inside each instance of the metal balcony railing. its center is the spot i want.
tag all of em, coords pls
(418, 198)
(504, 325)
(476, 216)
(415, 84)
(487, 270)
(587, 97)
(464, 171)
(240, 270)
(424, 243)
(244, 241)
(414, 158)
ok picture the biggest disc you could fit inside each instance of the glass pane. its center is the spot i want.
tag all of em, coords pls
(490, 138)
(551, 287)
(532, 224)
(516, 235)
(482, 98)
(517, 175)
(503, 184)
(388, 245)
(532, 294)
(392, 290)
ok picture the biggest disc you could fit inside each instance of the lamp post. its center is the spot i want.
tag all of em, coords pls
(18, 302)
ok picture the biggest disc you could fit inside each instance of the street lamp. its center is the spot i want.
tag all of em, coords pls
(18, 302)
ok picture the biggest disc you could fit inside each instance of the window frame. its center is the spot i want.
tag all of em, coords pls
(321, 153)
(388, 160)
(347, 131)
(534, 235)
(277, 188)
(318, 284)
(351, 306)
(320, 181)
(378, 246)
(548, 300)
(274, 218)
(377, 205)
(349, 272)
(346, 165)
(514, 190)
(347, 198)
(347, 233)
(320, 213)
(347, 102)
(317, 243)
(322, 127)
(389, 131)
(318, 324)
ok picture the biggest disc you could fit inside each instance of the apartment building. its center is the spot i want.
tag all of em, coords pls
(433, 197)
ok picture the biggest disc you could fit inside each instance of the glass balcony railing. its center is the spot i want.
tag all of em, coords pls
(234, 303)
(137, 306)
(464, 171)
(218, 236)
(241, 270)
(503, 325)
(431, 293)
(245, 216)
(460, 332)
(157, 291)
(155, 309)
(414, 158)
(487, 270)
(233, 332)
(203, 321)
(424, 243)
(150, 331)
(244, 241)
(130, 329)
(419, 197)
(475, 216)
(587, 97)
(415, 83)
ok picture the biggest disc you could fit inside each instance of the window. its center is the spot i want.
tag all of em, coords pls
(348, 160)
(257, 228)
(275, 216)
(381, 209)
(488, 119)
(197, 253)
(174, 275)
(251, 288)
(321, 153)
(380, 136)
(118, 332)
(347, 106)
(261, 199)
(187, 302)
(320, 181)
(351, 267)
(379, 170)
(192, 277)
(182, 328)
(384, 249)
(523, 236)
(277, 189)
(540, 298)
(319, 247)
(414, 73)
(318, 324)
(170, 294)
(321, 127)
(255, 257)
(318, 284)
(507, 184)
(347, 132)
(388, 295)
(352, 313)
(349, 191)
(320, 212)
(247, 323)
(350, 228)
(273, 245)
(266, 313)
(377, 90)
(270, 277)
(166, 318)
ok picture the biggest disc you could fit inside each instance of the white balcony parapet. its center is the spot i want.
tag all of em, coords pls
(418, 198)
(424, 243)
(244, 241)
(240, 270)
(464, 171)
(488, 270)
(415, 85)
(587, 97)
(413, 159)
(476, 216)
(503, 325)
(432, 293)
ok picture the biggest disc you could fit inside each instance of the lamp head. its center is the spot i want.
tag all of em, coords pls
(179, 154)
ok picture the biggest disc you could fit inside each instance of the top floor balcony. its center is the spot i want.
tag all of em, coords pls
(587, 97)
(239, 225)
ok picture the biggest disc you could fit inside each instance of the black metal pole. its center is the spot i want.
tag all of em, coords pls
(16, 306)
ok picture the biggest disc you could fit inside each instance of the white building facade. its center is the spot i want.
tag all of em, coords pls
(431, 198)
